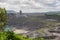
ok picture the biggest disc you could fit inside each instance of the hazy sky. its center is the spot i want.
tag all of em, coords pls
(31, 5)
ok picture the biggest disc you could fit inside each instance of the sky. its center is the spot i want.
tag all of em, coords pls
(31, 5)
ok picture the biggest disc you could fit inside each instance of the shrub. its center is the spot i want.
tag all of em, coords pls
(12, 36)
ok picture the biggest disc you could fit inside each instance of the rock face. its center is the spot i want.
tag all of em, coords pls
(20, 31)
(56, 32)
(25, 23)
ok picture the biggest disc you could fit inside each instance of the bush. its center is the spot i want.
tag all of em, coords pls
(38, 38)
(12, 36)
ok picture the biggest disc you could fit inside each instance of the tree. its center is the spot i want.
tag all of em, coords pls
(3, 18)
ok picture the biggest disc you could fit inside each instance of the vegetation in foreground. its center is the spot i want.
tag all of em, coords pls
(3, 19)
(12, 36)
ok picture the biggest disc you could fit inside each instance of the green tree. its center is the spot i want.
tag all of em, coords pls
(3, 18)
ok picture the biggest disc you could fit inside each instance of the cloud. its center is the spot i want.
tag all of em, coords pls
(31, 5)
(3, 0)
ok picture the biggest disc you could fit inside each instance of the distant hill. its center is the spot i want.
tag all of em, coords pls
(11, 11)
(53, 12)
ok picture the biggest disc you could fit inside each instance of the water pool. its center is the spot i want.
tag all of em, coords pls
(8, 28)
